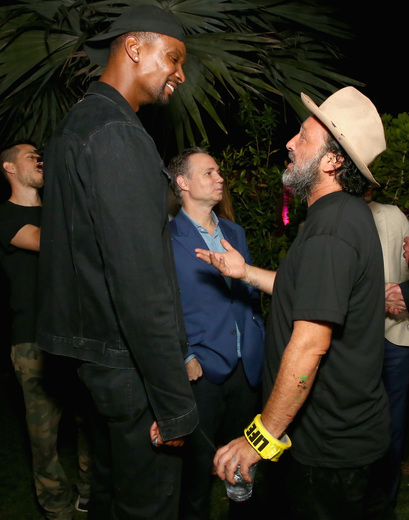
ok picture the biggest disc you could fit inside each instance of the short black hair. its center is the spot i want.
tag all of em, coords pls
(8, 152)
(148, 37)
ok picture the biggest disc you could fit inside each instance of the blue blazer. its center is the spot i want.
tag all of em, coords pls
(211, 309)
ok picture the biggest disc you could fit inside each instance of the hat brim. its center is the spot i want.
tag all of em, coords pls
(340, 137)
(98, 47)
(104, 37)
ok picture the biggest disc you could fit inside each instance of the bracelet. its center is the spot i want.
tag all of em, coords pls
(267, 446)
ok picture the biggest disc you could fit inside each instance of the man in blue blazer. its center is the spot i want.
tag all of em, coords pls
(223, 323)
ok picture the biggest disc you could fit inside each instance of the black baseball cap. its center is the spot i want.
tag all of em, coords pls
(147, 18)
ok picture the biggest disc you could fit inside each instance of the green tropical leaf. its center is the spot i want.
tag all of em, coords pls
(269, 48)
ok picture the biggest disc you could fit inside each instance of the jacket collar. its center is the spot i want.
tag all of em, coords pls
(185, 228)
(187, 235)
(103, 89)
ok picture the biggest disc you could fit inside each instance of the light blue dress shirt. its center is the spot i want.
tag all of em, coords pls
(214, 244)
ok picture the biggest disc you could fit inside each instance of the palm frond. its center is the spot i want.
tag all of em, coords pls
(270, 48)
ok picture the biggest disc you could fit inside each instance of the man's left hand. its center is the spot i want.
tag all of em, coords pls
(227, 458)
(157, 440)
(394, 302)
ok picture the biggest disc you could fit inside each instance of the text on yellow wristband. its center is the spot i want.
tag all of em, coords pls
(256, 438)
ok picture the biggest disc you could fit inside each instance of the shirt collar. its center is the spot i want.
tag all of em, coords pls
(198, 226)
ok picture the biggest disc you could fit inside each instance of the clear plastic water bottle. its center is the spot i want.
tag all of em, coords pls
(242, 490)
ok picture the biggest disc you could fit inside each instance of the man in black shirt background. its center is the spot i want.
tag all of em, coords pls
(20, 218)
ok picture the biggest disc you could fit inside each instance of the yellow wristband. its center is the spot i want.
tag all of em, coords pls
(263, 442)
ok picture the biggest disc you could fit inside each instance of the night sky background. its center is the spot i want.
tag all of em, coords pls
(378, 54)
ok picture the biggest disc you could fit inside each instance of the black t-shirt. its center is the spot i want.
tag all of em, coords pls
(334, 272)
(20, 267)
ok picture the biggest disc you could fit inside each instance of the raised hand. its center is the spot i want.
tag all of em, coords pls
(231, 263)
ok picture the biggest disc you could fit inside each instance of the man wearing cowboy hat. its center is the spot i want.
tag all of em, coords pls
(324, 344)
(109, 291)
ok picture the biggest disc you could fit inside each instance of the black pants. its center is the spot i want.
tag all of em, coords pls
(132, 479)
(336, 494)
(224, 411)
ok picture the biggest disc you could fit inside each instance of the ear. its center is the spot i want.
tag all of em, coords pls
(182, 183)
(331, 162)
(132, 45)
(9, 167)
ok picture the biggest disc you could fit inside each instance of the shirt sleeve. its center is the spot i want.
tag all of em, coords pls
(10, 224)
(325, 279)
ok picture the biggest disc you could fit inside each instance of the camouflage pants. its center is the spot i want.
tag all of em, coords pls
(43, 415)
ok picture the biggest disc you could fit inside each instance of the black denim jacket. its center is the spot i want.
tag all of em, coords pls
(108, 285)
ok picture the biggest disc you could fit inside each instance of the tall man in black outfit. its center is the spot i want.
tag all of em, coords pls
(106, 267)
(324, 346)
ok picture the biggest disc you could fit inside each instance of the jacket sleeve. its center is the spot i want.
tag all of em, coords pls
(128, 203)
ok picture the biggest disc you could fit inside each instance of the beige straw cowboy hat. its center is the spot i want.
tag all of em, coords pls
(353, 120)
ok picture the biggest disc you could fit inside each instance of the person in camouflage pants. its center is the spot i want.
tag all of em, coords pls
(19, 245)
(43, 415)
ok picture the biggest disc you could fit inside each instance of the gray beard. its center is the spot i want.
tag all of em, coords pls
(302, 179)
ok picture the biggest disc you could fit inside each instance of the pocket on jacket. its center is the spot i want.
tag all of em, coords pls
(118, 393)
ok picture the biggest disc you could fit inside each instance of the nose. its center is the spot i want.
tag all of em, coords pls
(219, 178)
(290, 144)
(180, 74)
